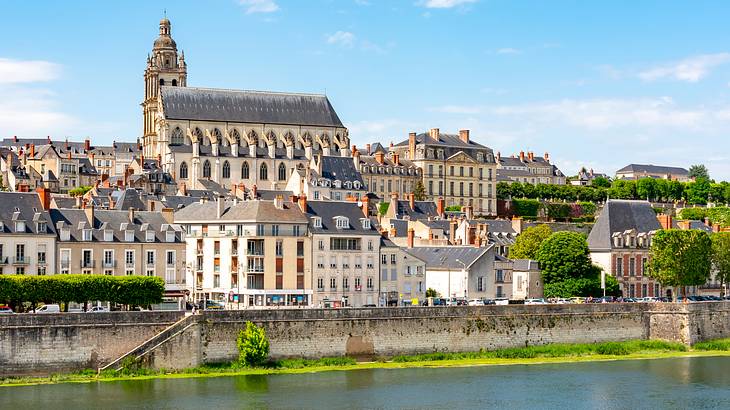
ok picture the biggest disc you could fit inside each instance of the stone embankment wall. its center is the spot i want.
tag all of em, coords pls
(35, 344)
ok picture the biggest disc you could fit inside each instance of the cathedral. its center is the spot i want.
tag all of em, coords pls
(231, 136)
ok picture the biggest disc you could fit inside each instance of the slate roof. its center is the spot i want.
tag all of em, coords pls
(117, 221)
(451, 140)
(693, 224)
(421, 209)
(328, 210)
(524, 265)
(23, 206)
(178, 201)
(242, 211)
(495, 225)
(619, 216)
(444, 257)
(652, 169)
(340, 168)
(129, 198)
(206, 104)
(401, 227)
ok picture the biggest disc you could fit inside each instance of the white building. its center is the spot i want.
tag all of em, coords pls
(27, 236)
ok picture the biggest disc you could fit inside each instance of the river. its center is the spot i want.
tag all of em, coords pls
(676, 383)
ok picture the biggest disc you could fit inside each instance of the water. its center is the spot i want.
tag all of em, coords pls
(700, 383)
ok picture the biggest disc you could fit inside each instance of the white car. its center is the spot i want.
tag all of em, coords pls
(535, 302)
(476, 302)
(53, 308)
(97, 309)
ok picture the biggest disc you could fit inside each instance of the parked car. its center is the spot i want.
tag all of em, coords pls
(476, 302)
(489, 302)
(97, 309)
(52, 308)
(578, 300)
(211, 305)
(5, 310)
(535, 301)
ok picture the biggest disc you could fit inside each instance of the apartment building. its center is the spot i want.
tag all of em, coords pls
(252, 253)
(402, 275)
(529, 169)
(27, 236)
(386, 173)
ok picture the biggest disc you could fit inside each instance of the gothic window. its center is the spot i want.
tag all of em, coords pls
(174, 83)
(235, 137)
(282, 172)
(264, 172)
(183, 170)
(244, 170)
(226, 170)
(198, 134)
(162, 81)
(206, 169)
(177, 137)
(217, 135)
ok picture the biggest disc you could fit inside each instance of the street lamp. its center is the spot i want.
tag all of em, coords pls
(466, 279)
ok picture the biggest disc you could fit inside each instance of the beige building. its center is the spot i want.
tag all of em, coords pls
(108, 242)
(27, 237)
(386, 173)
(529, 169)
(454, 167)
(402, 275)
(248, 253)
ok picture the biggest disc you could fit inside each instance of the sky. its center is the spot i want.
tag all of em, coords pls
(595, 84)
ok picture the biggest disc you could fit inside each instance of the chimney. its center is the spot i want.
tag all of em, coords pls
(452, 231)
(49, 139)
(412, 200)
(430, 236)
(384, 233)
(356, 157)
(665, 221)
(367, 148)
(464, 136)
(440, 206)
(45, 196)
(303, 203)
(411, 237)
(221, 206)
(469, 211)
(499, 156)
(684, 225)
(233, 190)
(517, 224)
(131, 215)
(279, 202)
(380, 157)
(547, 157)
(159, 160)
(184, 189)
(89, 211)
(68, 147)
(87, 145)
(68, 155)
(393, 232)
(293, 199)
(32, 151)
(396, 159)
(522, 156)
(411, 146)
(434, 134)
(253, 191)
(394, 197)
(168, 214)
(111, 202)
(477, 241)
(151, 205)
(365, 207)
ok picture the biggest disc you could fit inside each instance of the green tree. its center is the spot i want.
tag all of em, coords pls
(564, 255)
(721, 258)
(675, 191)
(79, 191)
(601, 182)
(383, 208)
(504, 190)
(623, 189)
(253, 346)
(432, 293)
(699, 171)
(646, 188)
(419, 191)
(698, 191)
(529, 241)
(681, 258)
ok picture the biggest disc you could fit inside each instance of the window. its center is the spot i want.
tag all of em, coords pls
(333, 262)
(129, 236)
(384, 259)
(358, 284)
(244, 170)
(177, 136)
(320, 284)
(41, 254)
(108, 235)
(170, 258)
(619, 266)
(108, 258)
(392, 259)
(345, 262)
(370, 283)
(370, 262)
(65, 255)
(632, 266)
(150, 259)
(317, 222)
(259, 230)
(345, 283)
(480, 284)
(384, 274)
(206, 169)
(643, 290)
(644, 263)
(656, 290)
(20, 253)
(300, 248)
(282, 172)
(87, 259)
(342, 222)
(275, 230)
(279, 248)
(170, 236)
(86, 235)
(333, 283)
(320, 245)
(370, 245)
(320, 262)
(264, 172)
(500, 292)
(499, 276)
(365, 223)
(295, 230)
(226, 170)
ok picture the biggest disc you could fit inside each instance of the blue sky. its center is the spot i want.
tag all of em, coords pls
(595, 84)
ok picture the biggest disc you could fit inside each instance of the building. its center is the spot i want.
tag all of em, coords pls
(346, 247)
(529, 169)
(402, 275)
(231, 136)
(454, 167)
(526, 279)
(27, 236)
(387, 173)
(115, 159)
(248, 253)
(466, 271)
(328, 178)
(585, 177)
(121, 243)
(638, 171)
(65, 166)
(620, 244)
(485, 232)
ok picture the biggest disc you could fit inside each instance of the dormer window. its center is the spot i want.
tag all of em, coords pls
(41, 227)
(108, 235)
(170, 236)
(86, 235)
(338, 184)
(317, 222)
(129, 236)
(365, 223)
(20, 226)
(342, 222)
(65, 234)
(356, 184)
(632, 241)
(150, 236)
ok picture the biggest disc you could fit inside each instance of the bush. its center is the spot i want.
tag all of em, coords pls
(525, 207)
(453, 208)
(693, 213)
(253, 346)
(718, 344)
(587, 208)
(383, 208)
(558, 210)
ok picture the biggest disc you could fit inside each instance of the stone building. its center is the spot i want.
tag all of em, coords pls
(27, 236)
(454, 167)
(252, 253)
(530, 169)
(402, 275)
(386, 173)
(638, 171)
(231, 136)
(328, 178)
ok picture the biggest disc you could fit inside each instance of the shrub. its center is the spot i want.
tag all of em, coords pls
(718, 344)
(383, 208)
(525, 207)
(253, 346)
(558, 210)
(693, 213)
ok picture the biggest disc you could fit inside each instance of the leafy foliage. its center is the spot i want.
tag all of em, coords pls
(419, 191)
(528, 242)
(699, 171)
(681, 257)
(453, 208)
(564, 255)
(253, 346)
(525, 207)
(79, 191)
(721, 257)
(601, 182)
(587, 286)
(698, 192)
(432, 293)
(383, 208)
(558, 210)
(693, 213)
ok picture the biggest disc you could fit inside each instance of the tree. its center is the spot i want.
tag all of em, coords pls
(529, 241)
(698, 191)
(681, 258)
(601, 182)
(646, 188)
(721, 258)
(79, 191)
(432, 293)
(253, 346)
(699, 171)
(503, 190)
(419, 191)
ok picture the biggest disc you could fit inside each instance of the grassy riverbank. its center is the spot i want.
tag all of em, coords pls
(555, 353)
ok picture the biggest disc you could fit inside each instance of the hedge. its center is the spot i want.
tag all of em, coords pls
(126, 290)
(525, 207)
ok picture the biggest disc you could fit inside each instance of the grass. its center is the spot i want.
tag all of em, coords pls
(553, 353)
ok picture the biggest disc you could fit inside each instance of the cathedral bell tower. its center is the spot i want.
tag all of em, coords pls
(164, 68)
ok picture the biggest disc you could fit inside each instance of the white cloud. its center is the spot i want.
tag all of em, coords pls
(691, 69)
(444, 4)
(259, 6)
(342, 39)
(27, 71)
(509, 50)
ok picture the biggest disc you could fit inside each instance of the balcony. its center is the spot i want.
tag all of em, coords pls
(87, 264)
(24, 260)
(129, 265)
(3, 260)
(42, 262)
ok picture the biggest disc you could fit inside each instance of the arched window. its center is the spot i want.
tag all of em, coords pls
(206, 169)
(174, 83)
(264, 172)
(244, 170)
(226, 170)
(282, 172)
(162, 81)
(217, 135)
(183, 170)
(177, 137)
